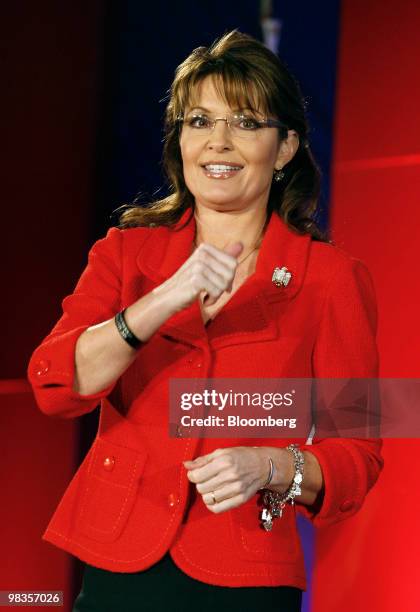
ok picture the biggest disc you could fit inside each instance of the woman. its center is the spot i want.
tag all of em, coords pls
(226, 277)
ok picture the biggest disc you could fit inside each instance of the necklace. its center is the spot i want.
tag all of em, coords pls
(240, 261)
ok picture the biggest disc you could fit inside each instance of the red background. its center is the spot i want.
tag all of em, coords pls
(52, 81)
(370, 562)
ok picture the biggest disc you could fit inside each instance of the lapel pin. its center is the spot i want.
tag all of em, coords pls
(281, 277)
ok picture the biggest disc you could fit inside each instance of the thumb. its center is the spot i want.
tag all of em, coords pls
(234, 249)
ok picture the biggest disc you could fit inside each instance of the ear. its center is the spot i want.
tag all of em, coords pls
(287, 149)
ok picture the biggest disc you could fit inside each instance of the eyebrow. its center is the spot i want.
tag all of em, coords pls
(201, 108)
(206, 110)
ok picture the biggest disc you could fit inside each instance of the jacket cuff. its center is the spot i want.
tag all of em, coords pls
(349, 468)
(51, 372)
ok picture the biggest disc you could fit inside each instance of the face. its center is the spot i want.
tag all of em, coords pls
(224, 171)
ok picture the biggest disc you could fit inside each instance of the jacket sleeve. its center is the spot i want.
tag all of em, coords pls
(96, 298)
(346, 348)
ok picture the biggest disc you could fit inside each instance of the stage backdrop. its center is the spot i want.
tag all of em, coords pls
(82, 103)
(370, 562)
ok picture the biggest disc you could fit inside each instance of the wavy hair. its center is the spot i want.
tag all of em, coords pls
(247, 75)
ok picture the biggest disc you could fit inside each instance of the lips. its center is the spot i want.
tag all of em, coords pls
(221, 169)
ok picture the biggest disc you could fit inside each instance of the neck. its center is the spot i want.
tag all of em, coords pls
(222, 229)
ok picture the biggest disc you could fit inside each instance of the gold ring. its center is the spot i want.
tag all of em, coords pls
(214, 497)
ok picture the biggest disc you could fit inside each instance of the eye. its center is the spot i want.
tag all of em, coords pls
(247, 123)
(198, 121)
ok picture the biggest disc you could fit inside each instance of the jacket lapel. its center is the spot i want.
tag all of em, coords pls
(246, 316)
(160, 256)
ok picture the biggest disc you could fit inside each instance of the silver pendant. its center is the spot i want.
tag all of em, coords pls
(267, 519)
(281, 277)
(277, 512)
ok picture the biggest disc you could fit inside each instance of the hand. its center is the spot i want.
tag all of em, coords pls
(233, 474)
(209, 270)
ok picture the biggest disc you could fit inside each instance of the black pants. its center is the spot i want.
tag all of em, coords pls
(164, 587)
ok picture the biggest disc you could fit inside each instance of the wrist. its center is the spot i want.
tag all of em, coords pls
(146, 315)
(275, 501)
(125, 331)
(163, 300)
(283, 468)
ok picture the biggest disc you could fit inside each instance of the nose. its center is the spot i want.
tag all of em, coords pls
(220, 137)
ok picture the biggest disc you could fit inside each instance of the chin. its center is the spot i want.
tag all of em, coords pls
(220, 204)
(218, 198)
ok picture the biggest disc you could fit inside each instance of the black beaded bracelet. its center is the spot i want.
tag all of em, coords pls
(125, 331)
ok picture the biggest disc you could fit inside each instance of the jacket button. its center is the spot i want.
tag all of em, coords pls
(109, 463)
(198, 365)
(347, 505)
(172, 500)
(42, 367)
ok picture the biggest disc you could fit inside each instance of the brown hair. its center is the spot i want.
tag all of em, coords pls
(246, 74)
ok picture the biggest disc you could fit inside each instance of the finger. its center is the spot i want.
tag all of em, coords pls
(197, 462)
(209, 457)
(235, 249)
(229, 479)
(201, 272)
(204, 458)
(213, 285)
(223, 269)
(222, 479)
(229, 270)
(208, 300)
(200, 282)
(226, 504)
(201, 474)
(222, 492)
(222, 256)
(215, 465)
(215, 278)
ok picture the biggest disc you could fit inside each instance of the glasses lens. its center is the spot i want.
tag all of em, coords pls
(196, 122)
(242, 125)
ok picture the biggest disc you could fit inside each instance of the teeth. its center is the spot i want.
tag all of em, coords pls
(221, 168)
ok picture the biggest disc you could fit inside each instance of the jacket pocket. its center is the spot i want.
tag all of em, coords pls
(280, 545)
(110, 489)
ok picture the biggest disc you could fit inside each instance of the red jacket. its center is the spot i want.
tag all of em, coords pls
(130, 501)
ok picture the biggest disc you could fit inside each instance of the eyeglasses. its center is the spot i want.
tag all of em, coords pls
(241, 125)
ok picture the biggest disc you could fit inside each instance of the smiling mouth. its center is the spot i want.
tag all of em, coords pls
(221, 171)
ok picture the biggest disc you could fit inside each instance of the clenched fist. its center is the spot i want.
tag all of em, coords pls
(208, 270)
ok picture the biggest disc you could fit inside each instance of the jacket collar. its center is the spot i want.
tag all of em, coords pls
(167, 249)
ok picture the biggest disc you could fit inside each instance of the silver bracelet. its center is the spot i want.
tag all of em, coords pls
(274, 502)
(270, 474)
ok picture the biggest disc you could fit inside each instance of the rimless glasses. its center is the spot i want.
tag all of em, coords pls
(240, 124)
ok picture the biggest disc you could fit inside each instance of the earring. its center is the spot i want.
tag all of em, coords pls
(278, 175)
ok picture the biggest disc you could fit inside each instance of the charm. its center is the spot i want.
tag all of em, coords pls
(281, 277)
(277, 512)
(273, 501)
(267, 519)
